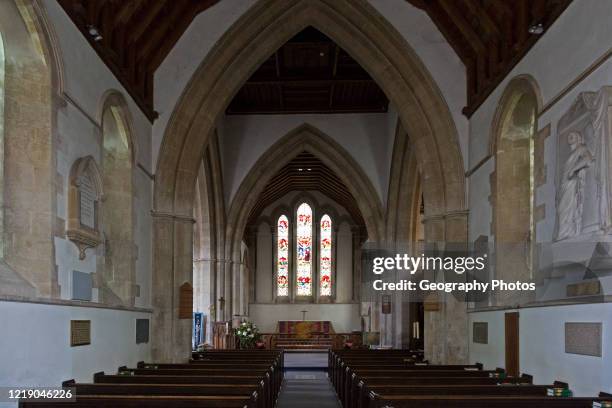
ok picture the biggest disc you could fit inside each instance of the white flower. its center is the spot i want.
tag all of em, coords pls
(251, 335)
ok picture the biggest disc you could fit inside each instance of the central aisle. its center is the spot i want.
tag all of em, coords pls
(307, 389)
(306, 383)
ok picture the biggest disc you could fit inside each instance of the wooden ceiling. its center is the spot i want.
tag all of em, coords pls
(306, 173)
(309, 74)
(136, 36)
(490, 36)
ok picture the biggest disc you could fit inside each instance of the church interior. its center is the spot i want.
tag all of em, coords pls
(195, 197)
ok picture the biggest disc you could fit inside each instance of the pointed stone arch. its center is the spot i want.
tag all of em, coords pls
(310, 139)
(359, 29)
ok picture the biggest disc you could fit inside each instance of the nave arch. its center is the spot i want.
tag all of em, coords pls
(375, 44)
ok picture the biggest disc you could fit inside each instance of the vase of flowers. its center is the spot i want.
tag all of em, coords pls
(248, 334)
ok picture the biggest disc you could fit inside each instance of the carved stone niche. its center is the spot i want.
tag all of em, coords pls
(84, 197)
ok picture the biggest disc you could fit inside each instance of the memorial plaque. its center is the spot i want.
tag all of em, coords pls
(591, 288)
(583, 338)
(186, 301)
(80, 332)
(87, 202)
(480, 332)
(142, 331)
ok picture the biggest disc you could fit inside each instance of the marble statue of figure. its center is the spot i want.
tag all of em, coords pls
(570, 203)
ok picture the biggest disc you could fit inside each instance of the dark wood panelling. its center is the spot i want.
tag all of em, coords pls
(309, 74)
(306, 173)
(490, 36)
(136, 36)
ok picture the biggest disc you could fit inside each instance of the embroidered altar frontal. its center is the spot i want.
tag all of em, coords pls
(304, 329)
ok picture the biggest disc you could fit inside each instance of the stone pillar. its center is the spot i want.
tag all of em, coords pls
(172, 267)
(446, 323)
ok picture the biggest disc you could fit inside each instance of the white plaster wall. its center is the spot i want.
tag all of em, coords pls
(35, 343)
(79, 134)
(264, 277)
(492, 354)
(436, 54)
(187, 54)
(542, 345)
(368, 138)
(580, 36)
(344, 316)
(344, 263)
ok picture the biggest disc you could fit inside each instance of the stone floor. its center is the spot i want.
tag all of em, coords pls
(306, 389)
(306, 383)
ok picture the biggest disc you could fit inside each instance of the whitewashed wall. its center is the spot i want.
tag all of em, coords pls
(580, 37)
(343, 316)
(35, 343)
(79, 134)
(542, 345)
(34, 348)
(367, 137)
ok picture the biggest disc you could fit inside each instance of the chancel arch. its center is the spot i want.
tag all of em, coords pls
(375, 44)
(512, 145)
(117, 207)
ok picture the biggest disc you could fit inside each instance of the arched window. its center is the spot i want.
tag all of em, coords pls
(117, 206)
(282, 261)
(325, 257)
(514, 186)
(304, 250)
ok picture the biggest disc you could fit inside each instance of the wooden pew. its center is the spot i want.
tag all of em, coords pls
(245, 390)
(247, 379)
(140, 401)
(391, 385)
(478, 401)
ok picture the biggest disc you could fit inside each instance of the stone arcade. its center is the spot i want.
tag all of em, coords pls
(183, 176)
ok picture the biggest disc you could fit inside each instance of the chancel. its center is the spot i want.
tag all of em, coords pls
(335, 203)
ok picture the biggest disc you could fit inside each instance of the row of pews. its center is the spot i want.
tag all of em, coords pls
(399, 379)
(216, 378)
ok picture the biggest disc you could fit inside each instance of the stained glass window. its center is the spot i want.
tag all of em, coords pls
(282, 276)
(304, 250)
(325, 266)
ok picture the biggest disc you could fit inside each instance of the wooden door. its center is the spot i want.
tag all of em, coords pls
(512, 344)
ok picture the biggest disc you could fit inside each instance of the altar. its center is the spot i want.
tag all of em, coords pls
(304, 329)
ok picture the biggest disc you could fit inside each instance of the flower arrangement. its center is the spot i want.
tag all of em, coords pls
(248, 334)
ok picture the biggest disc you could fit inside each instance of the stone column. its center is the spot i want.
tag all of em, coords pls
(172, 267)
(446, 329)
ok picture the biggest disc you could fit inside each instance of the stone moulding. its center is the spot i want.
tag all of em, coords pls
(83, 236)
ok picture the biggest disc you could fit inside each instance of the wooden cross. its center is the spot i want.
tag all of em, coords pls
(304, 314)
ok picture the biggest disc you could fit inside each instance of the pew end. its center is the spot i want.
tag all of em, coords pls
(140, 364)
(605, 395)
(479, 366)
(97, 376)
(527, 377)
(68, 383)
(560, 384)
